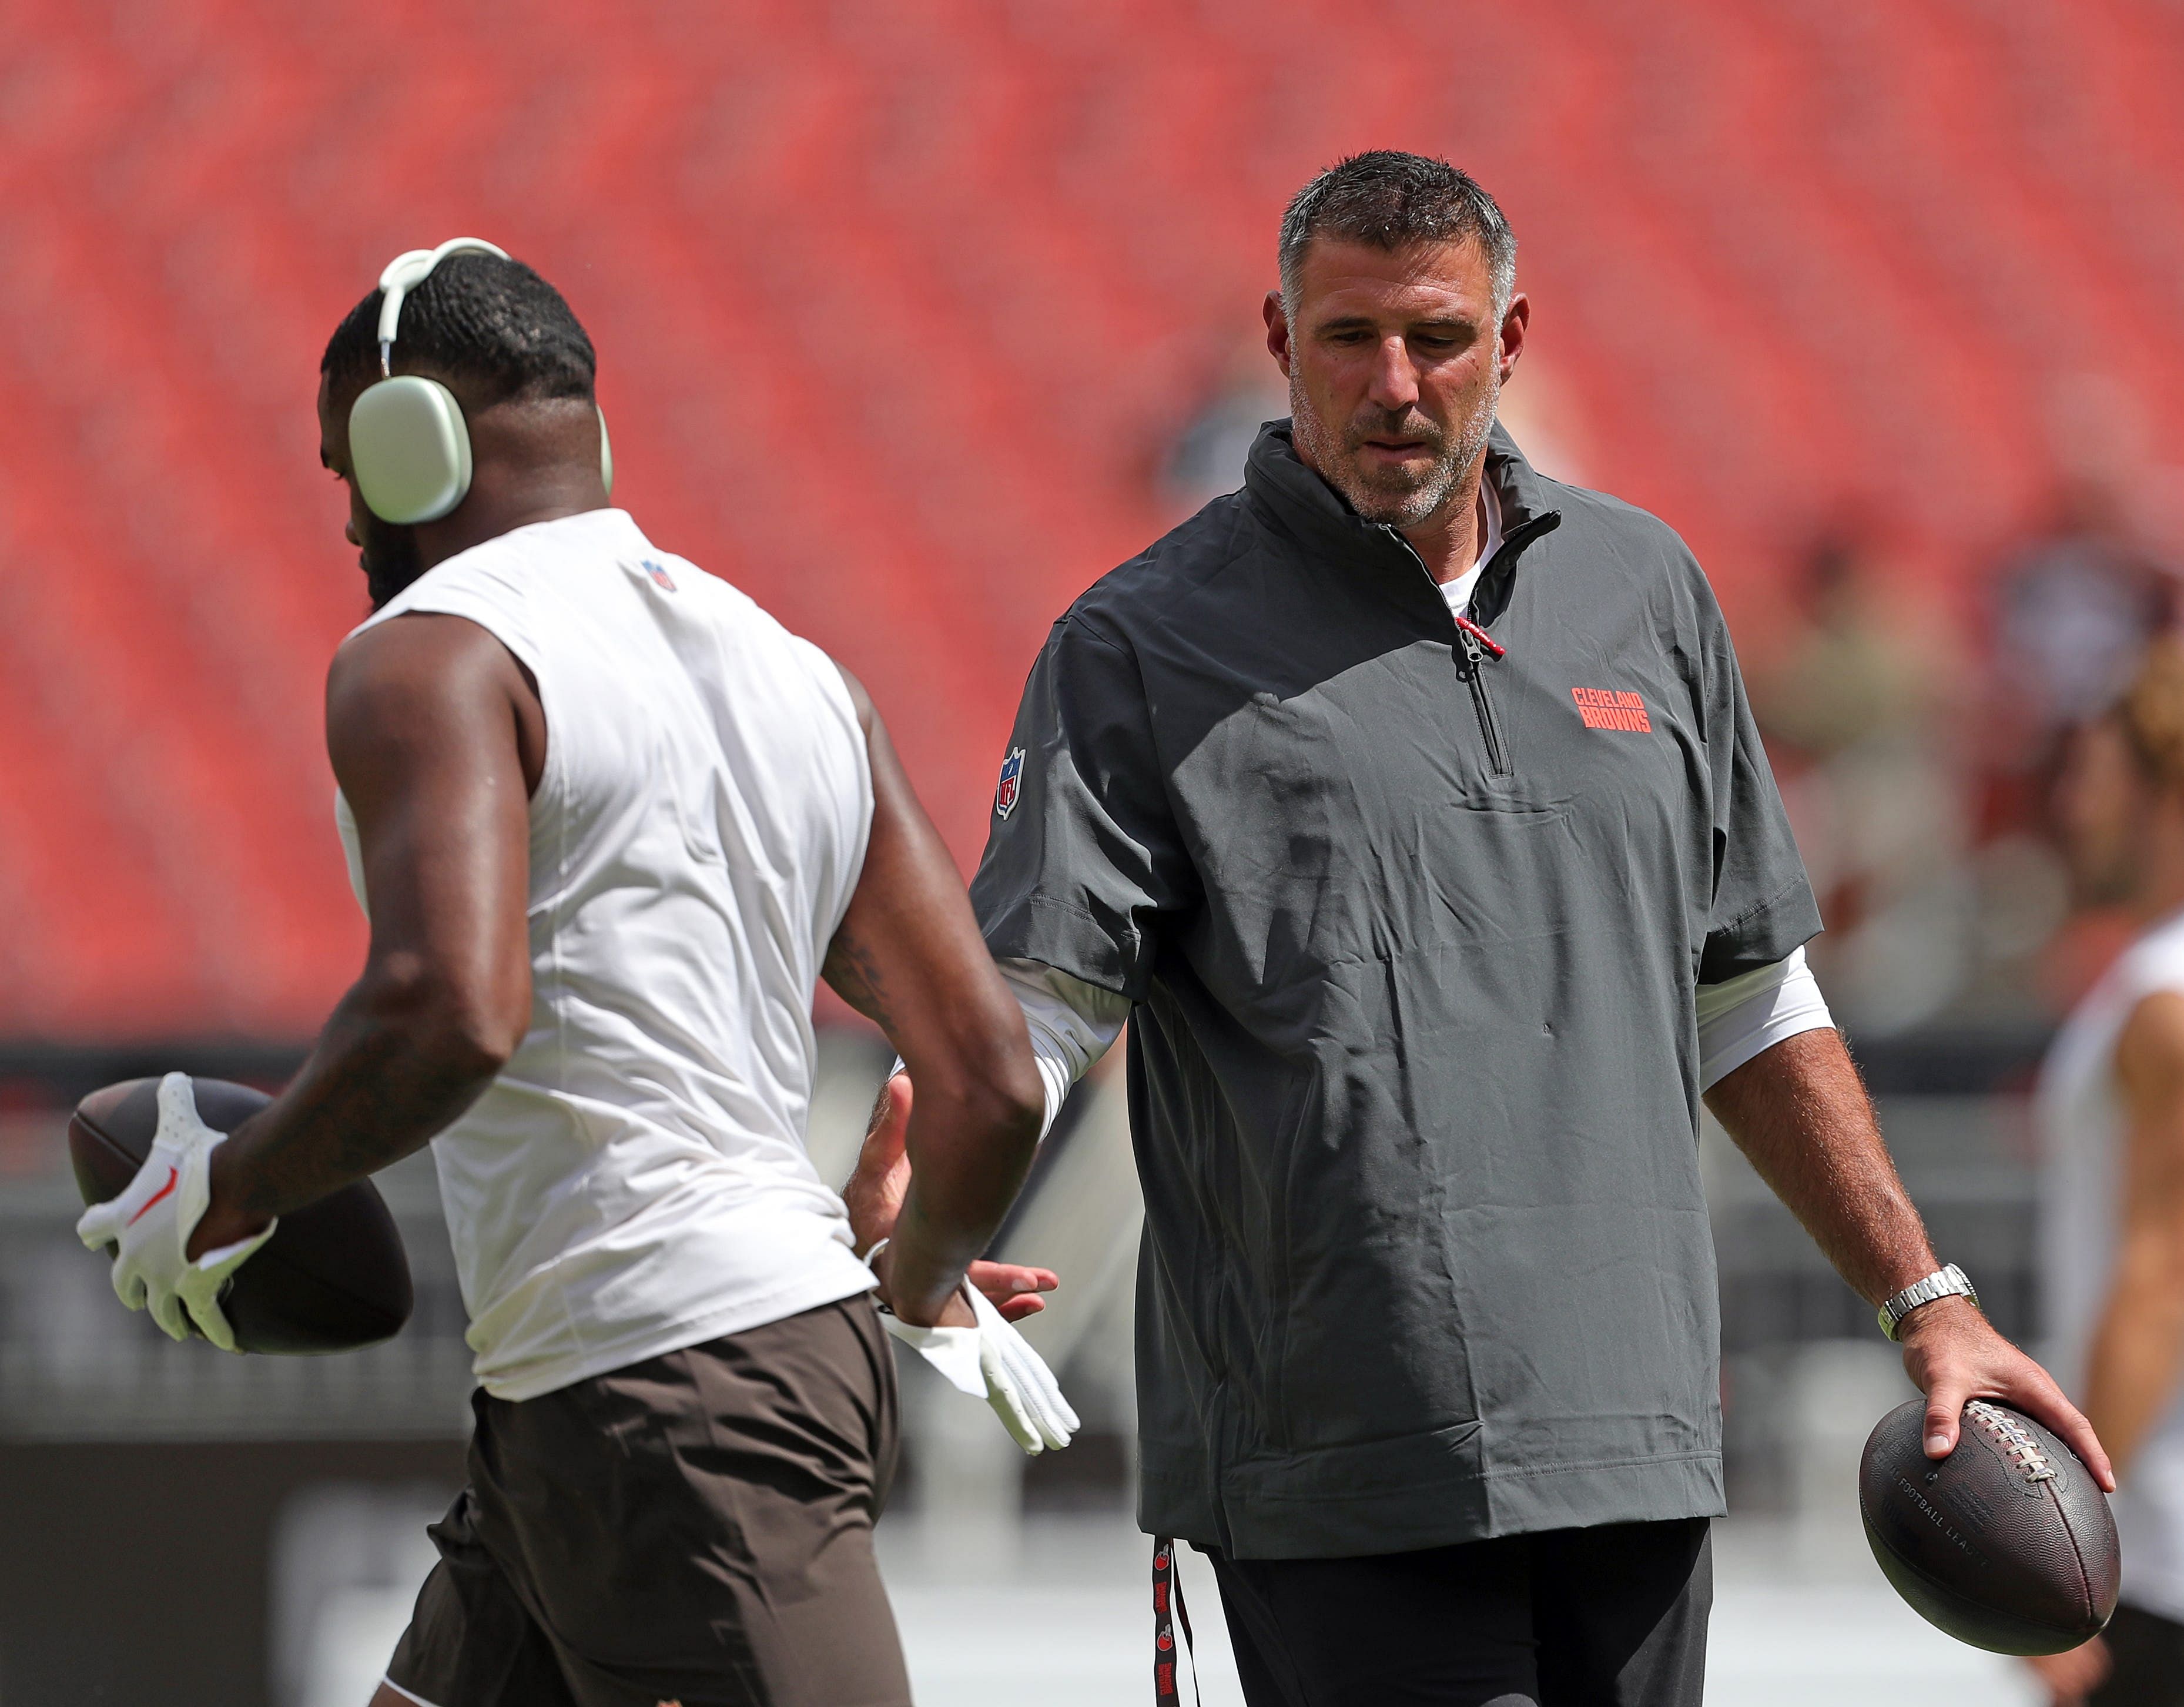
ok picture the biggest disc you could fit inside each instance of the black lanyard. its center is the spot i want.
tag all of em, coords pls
(1167, 1607)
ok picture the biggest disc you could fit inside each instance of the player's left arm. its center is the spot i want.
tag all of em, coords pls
(2138, 1349)
(423, 722)
(1801, 1114)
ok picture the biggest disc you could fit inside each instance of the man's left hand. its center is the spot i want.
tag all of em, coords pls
(151, 1222)
(1955, 1354)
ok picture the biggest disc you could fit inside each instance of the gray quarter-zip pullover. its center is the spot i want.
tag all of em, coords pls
(1410, 917)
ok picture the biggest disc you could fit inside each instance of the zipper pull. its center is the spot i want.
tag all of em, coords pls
(1477, 641)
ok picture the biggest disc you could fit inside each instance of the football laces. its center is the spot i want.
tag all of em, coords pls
(2015, 1441)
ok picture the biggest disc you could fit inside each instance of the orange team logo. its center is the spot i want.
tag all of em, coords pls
(1611, 708)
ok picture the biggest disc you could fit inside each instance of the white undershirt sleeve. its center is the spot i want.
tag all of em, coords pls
(1754, 1011)
(1072, 1024)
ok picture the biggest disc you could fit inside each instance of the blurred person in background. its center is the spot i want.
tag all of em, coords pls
(1407, 804)
(2111, 1112)
(1856, 709)
(1208, 456)
(610, 823)
(2076, 605)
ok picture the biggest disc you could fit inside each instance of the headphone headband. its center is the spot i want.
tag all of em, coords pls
(410, 448)
(404, 273)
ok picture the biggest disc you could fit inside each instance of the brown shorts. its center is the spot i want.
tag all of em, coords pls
(696, 1528)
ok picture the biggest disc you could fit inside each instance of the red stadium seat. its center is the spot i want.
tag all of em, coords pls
(899, 307)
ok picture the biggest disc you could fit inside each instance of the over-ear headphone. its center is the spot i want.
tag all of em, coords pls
(408, 446)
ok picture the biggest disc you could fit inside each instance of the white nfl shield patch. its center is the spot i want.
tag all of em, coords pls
(1005, 796)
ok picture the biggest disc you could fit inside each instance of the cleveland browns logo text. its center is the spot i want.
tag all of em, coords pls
(1610, 708)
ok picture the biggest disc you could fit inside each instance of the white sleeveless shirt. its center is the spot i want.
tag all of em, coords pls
(635, 1180)
(2083, 1126)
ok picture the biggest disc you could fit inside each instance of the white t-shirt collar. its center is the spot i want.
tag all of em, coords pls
(1458, 591)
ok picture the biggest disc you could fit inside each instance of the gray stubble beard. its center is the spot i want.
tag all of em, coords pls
(1405, 508)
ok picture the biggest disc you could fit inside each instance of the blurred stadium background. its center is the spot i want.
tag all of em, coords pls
(914, 318)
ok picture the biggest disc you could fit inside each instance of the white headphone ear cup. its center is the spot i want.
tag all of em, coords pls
(607, 456)
(409, 450)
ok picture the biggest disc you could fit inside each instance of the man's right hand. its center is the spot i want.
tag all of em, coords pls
(874, 1196)
(151, 1222)
(875, 1191)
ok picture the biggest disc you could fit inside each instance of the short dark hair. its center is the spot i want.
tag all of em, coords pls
(476, 317)
(1390, 199)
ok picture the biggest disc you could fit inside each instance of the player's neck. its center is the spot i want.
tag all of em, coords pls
(533, 460)
(1449, 541)
(487, 513)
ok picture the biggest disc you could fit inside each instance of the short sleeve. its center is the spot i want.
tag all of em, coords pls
(1763, 906)
(1084, 864)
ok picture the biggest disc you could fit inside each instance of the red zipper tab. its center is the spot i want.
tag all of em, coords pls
(1480, 635)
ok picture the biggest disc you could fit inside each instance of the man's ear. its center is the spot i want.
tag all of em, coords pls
(1278, 330)
(1514, 322)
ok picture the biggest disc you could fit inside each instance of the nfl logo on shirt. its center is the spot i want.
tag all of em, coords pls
(1005, 796)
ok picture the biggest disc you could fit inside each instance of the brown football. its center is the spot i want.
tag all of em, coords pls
(332, 1277)
(2007, 1544)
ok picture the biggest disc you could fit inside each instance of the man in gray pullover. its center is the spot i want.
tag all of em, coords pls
(1407, 804)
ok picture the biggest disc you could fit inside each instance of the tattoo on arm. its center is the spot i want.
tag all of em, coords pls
(855, 972)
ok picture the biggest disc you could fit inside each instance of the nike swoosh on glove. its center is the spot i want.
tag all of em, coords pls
(151, 1222)
(994, 1362)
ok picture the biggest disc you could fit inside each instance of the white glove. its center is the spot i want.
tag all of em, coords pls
(994, 1363)
(152, 1221)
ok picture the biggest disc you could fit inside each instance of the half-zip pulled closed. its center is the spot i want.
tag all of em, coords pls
(1479, 646)
(1476, 644)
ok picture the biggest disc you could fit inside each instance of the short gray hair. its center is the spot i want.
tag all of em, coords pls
(1389, 200)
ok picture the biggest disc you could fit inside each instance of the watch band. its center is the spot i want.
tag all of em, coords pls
(1948, 1282)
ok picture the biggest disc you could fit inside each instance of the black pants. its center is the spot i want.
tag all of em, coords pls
(2148, 1653)
(1614, 1616)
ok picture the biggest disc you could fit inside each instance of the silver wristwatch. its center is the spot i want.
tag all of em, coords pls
(1942, 1283)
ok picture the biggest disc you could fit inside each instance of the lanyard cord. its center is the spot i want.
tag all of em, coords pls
(1167, 1593)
